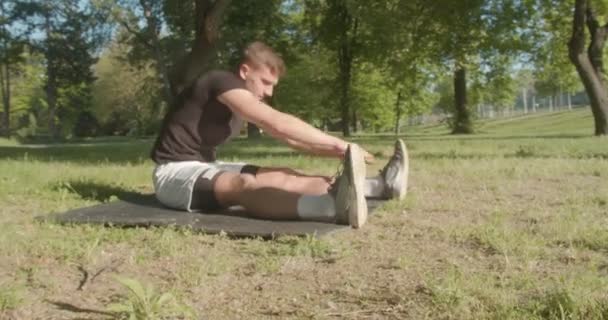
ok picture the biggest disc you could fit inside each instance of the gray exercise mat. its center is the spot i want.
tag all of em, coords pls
(145, 211)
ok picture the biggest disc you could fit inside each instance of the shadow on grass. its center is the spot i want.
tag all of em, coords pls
(90, 190)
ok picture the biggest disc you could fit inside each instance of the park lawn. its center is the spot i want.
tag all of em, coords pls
(510, 223)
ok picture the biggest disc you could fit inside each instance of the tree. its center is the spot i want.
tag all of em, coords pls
(589, 60)
(525, 79)
(28, 103)
(336, 24)
(467, 30)
(143, 34)
(410, 58)
(208, 16)
(11, 48)
(196, 23)
(554, 72)
(496, 85)
(71, 31)
(373, 97)
(307, 90)
(125, 97)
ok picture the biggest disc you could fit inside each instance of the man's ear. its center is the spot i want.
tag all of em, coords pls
(244, 70)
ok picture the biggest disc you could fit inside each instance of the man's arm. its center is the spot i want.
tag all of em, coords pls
(281, 125)
(306, 148)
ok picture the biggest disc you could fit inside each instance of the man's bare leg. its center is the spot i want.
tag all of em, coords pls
(265, 196)
(293, 181)
(280, 194)
(391, 183)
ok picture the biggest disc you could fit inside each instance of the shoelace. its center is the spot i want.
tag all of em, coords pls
(396, 156)
(336, 179)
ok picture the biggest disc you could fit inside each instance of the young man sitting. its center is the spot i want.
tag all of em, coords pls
(188, 176)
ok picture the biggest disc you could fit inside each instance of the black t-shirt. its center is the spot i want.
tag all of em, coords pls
(197, 123)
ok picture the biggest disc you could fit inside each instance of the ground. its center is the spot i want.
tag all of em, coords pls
(510, 223)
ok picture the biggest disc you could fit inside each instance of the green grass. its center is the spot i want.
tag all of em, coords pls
(509, 223)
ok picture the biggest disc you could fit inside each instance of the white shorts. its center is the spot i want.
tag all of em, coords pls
(174, 181)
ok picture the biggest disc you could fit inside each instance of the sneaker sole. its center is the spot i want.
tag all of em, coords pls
(357, 215)
(405, 172)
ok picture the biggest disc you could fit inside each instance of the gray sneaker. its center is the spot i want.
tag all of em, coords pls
(395, 173)
(348, 190)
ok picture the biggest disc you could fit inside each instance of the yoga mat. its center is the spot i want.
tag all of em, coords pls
(146, 211)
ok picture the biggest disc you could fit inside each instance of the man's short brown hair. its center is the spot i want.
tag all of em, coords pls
(258, 54)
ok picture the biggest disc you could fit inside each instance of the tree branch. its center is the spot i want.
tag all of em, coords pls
(136, 34)
(213, 19)
(598, 39)
(592, 22)
(201, 8)
(208, 16)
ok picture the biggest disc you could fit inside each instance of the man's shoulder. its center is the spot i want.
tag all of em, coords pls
(220, 81)
(213, 83)
(219, 75)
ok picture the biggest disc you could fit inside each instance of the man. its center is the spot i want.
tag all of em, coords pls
(210, 112)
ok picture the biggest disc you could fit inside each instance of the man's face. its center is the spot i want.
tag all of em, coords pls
(259, 80)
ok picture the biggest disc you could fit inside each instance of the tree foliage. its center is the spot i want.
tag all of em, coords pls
(67, 33)
(352, 65)
(126, 98)
(11, 48)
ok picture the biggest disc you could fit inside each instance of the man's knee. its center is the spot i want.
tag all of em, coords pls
(234, 182)
(245, 182)
(229, 186)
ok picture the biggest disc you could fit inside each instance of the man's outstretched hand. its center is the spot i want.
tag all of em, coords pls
(341, 149)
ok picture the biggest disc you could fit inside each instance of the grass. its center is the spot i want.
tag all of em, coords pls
(509, 223)
(144, 303)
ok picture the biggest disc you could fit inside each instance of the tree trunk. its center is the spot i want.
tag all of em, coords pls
(348, 31)
(589, 64)
(397, 112)
(51, 81)
(344, 99)
(525, 99)
(208, 20)
(462, 119)
(345, 62)
(51, 101)
(569, 101)
(5, 83)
